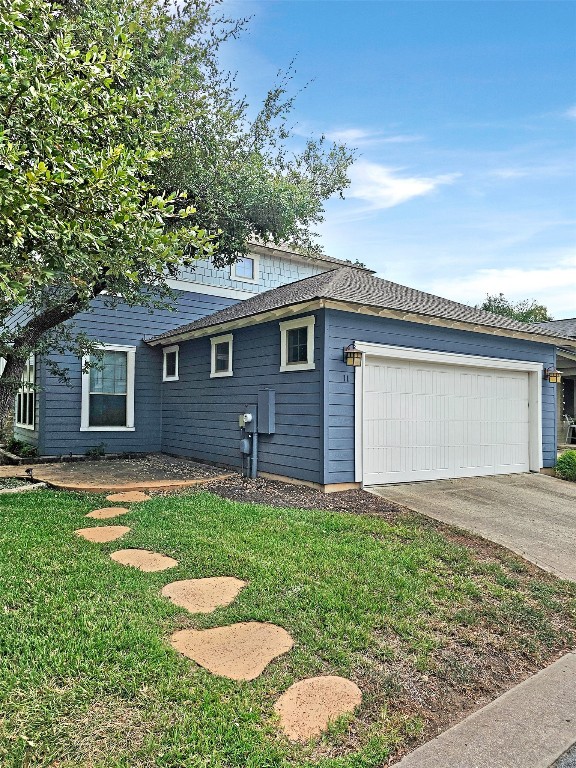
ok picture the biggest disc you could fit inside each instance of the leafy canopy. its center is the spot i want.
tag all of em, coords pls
(526, 311)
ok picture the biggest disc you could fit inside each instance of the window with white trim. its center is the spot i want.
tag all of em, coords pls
(297, 344)
(26, 396)
(221, 356)
(108, 390)
(170, 363)
(245, 269)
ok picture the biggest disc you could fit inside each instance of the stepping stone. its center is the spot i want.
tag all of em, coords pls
(102, 534)
(239, 651)
(128, 496)
(107, 512)
(203, 595)
(307, 707)
(143, 559)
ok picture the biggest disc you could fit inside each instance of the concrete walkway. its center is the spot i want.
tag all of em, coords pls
(530, 726)
(533, 515)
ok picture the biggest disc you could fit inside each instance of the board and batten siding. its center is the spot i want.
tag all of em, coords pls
(200, 414)
(60, 404)
(341, 328)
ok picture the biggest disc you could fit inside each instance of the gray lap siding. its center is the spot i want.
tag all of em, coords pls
(60, 404)
(341, 328)
(200, 414)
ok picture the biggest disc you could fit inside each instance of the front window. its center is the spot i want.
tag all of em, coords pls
(26, 396)
(108, 390)
(297, 344)
(221, 356)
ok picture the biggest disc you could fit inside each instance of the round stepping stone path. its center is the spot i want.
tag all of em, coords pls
(240, 651)
(103, 534)
(143, 559)
(203, 595)
(307, 707)
(107, 512)
(128, 496)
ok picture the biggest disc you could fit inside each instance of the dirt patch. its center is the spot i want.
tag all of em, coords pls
(102, 534)
(240, 651)
(128, 496)
(203, 595)
(143, 559)
(106, 513)
(307, 707)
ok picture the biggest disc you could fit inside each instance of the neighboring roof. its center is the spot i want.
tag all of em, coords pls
(285, 250)
(357, 288)
(564, 327)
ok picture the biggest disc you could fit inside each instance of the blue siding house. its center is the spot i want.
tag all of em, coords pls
(310, 370)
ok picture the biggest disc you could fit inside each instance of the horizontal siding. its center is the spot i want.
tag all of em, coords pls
(200, 414)
(344, 327)
(59, 416)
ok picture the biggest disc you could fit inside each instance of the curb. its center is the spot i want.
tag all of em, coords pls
(23, 488)
(151, 485)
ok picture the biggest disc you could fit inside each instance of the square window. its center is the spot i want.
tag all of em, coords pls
(245, 269)
(297, 344)
(170, 364)
(221, 356)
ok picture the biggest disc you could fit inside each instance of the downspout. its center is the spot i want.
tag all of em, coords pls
(254, 455)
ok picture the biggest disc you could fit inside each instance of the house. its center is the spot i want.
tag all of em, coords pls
(566, 362)
(250, 370)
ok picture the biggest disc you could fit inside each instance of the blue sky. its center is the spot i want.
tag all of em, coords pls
(464, 116)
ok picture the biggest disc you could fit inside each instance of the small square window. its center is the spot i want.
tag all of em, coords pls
(221, 356)
(170, 366)
(297, 344)
(245, 269)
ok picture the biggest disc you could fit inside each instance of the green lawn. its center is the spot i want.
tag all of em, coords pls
(88, 679)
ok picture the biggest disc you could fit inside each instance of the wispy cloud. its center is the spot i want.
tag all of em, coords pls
(384, 187)
(571, 112)
(360, 137)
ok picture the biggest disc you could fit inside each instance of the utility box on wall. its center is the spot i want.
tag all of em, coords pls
(267, 411)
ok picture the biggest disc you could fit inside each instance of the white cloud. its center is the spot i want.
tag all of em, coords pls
(382, 187)
(361, 137)
(553, 286)
(571, 112)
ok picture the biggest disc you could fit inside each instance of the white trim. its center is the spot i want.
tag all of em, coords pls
(167, 351)
(227, 339)
(535, 371)
(255, 270)
(130, 371)
(287, 325)
(210, 290)
(25, 388)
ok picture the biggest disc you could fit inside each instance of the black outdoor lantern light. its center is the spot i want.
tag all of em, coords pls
(552, 375)
(352, 356)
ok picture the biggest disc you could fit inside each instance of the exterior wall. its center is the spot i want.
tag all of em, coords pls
(60, 404)
(273, 272)
(200, 414)
(341, 328)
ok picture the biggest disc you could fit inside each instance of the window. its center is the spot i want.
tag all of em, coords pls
(26, 396)
(221, 356)
(170, 365)
(108, 391)
(245, 269)
(297, 344)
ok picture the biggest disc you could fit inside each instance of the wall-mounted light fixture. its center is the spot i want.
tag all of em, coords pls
(552, 375)
(352, 356)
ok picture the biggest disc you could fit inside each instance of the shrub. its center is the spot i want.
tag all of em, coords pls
(566, 465)
(19, 448)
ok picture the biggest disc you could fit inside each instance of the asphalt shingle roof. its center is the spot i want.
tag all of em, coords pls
(357, 287)
(563, 327)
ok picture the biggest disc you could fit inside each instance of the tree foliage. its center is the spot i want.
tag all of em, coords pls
(125, 154)
(526, 311)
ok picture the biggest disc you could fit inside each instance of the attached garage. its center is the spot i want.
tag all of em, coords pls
(425, 415)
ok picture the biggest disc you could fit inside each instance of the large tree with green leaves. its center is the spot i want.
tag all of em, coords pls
(526, 311)
(125, 153)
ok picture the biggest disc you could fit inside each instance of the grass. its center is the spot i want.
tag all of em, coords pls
(88, 679)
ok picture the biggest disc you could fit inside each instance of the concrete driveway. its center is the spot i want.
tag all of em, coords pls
(533, 515)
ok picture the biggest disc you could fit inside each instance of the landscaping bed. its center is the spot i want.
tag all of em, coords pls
(428, 622)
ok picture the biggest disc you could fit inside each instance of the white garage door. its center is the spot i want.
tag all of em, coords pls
(424, 421)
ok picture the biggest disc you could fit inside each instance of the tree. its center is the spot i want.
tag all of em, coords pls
(526, 311)
(124, 155)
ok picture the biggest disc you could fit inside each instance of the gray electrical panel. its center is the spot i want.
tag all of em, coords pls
(267, 411)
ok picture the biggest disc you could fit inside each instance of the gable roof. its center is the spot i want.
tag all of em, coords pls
(356, 289)
(564, 327)
(285, 250)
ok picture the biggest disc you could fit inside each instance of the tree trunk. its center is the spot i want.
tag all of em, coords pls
(9, 384)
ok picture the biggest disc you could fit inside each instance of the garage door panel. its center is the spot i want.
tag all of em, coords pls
(431, 421)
